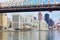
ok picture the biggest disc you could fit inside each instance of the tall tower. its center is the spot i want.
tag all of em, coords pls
(39, 16)
(47, 18)
(51, 23)
(17, 21)
(3, 20)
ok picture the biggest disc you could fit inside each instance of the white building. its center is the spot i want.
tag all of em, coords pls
(23, 22)
(3, 20)
(29, 20)
(43, 25)
(17, 21)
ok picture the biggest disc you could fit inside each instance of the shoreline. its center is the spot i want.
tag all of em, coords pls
(21, 30)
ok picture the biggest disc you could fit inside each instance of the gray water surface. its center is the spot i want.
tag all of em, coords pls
(30, 35)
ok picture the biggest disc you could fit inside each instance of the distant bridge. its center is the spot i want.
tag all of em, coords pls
(51, 7)
(30, 8)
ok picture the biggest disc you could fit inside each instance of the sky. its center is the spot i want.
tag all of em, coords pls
(55, 15)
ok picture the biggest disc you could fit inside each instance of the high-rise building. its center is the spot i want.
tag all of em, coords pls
(43, 25)
(47, 18)
(9, 23)
(39, 16)
(3, 20)
(29, 20)
(51, 23)
(17, 21)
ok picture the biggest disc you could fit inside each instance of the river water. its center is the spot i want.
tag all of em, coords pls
(30, 35)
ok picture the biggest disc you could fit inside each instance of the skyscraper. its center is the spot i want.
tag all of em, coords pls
(39, 16)
(51, 23)
(3, 20)
(30, 19)
(43, 25)
(17, 21)
(47, 18)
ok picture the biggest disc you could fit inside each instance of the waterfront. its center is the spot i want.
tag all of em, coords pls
(30, 35)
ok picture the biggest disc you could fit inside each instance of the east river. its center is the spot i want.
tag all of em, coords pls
(30, 35)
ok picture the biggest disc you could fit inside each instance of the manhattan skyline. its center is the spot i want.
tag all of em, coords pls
(55, 15)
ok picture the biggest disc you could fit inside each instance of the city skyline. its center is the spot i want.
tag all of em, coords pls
(55, 15)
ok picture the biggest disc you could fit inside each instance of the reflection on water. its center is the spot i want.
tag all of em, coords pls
(50, 35)
(30, 35)
(3, 35)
